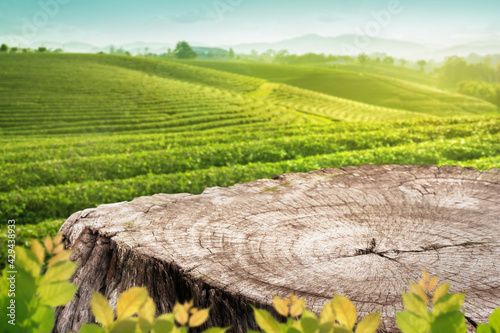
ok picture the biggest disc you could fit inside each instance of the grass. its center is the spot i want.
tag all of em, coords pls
(77, 131)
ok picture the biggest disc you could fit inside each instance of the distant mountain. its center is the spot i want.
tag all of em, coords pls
(479, 47)
(340, 45)
(344, 44)
(356, 44)
(76, 47)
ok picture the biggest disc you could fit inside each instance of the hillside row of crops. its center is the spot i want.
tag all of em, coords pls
(377, 90)
(149, 159)
(55, 188)
(120, 94)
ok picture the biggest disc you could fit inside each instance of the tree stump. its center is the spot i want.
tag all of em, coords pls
(362, 232)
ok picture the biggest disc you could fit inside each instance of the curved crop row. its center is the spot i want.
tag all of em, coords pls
(36, 204)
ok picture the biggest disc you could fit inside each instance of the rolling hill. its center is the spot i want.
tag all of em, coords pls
(366, 88)
(393, 71)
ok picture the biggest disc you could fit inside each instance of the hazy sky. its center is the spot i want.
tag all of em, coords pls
(230, 22)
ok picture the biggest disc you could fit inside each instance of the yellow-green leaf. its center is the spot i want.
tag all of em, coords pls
(92, 328)
(188, 305)
(61, 271)
(309, 322)
(27, 261)
(422, 284)
(448, 303)
(266, 321)
(130, 302)
(413, 303)
(494, 320)
(327, 313)
(484, 328)
(449, 322)
(38, 250)
(58, 249)
(417, 289)
(127, 325)
(345, 311)
(148, 310)
(57, 293)
(425, 275)
(181, 314)
(167, 316)
(369, 323)
(433, 283)
(101, 309)
(216, 330)
(440, 292)
(281, 306)
(144, 325)
(297, 308)
(290, 329)
(326, 327)
(43, 318)
(48, 244)
(199, 317)
(411, 323)
(162, 325)
(63, 255)
(58, 239)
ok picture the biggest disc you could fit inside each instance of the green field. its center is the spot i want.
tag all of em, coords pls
(397, 72)
(77, 131)
(384, 91)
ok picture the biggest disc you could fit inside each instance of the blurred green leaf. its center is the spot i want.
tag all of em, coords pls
(266, 321)
(57, 293)
(91, 328)
(409, 322)
(309, 323)
(61, 271)
(163, 325)
(495, 320)
(449, 322)
(345, 311)
(27, 260)
(414, 303)
(448, 303)
(484, 328)
(130, 302)
(103, 313)
(369, 324)
(127, 325)
(44, 317)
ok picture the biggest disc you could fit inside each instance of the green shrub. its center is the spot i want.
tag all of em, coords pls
(479, 89)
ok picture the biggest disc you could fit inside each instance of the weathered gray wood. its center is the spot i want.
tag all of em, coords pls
(310, 233)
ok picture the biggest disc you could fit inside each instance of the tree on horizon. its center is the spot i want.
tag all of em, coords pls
(184, 51)
(422, 64)
(362, 58)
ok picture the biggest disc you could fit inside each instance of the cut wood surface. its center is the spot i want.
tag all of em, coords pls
(362, 232)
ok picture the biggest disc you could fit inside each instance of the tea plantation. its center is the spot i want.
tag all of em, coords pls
(77, 131)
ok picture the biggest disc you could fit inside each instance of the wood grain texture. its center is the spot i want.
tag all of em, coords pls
(362, 232)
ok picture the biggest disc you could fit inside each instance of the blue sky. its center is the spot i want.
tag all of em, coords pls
(230, 22)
